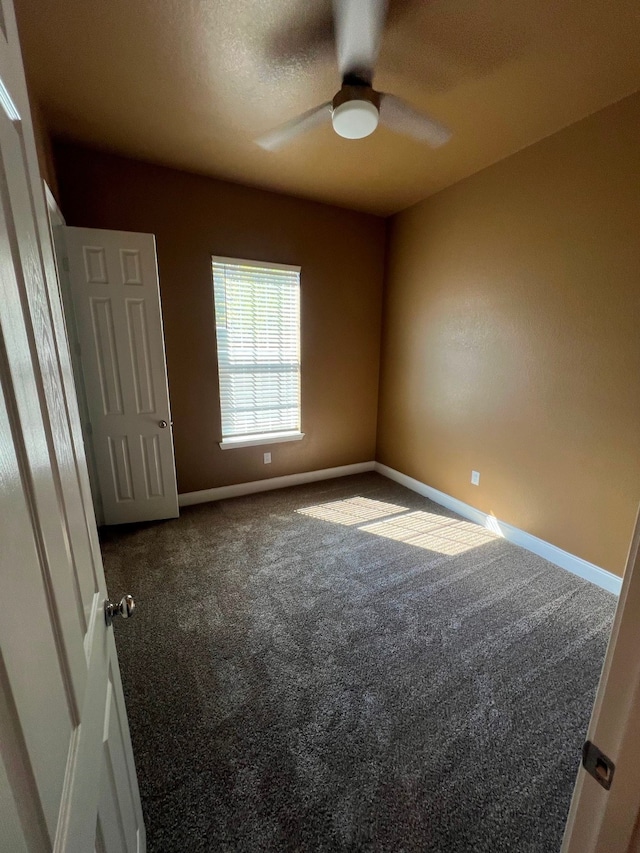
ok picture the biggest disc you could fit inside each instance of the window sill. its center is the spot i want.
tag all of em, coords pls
(255, 440)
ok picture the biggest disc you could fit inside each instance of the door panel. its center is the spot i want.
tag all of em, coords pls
(33, 442)
(115, 768)
(605, 820)
(46, 748)
(106, 356)
(154, 480)
(12, 835)
(116, 304)
(140, 356)
(57, 656)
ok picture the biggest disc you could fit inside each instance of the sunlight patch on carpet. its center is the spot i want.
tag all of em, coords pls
(425, 530)
(352, 511)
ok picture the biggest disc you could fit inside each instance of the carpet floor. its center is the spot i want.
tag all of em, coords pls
(346, 666)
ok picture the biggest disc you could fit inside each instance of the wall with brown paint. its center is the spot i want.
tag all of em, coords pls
(511, 339)
(342, 258)
(44, 147)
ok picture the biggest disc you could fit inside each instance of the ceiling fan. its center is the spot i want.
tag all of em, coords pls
(357, 108)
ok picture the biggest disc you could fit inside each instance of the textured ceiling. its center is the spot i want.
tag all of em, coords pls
(190, 83)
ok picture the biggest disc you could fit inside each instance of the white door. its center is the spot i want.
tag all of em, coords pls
(116, 301)
(601, 819)
(67, 776)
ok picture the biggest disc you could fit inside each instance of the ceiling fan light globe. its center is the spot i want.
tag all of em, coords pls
(355, 119)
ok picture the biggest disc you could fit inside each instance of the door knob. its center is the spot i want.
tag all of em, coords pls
(125, 609)
(163, 424)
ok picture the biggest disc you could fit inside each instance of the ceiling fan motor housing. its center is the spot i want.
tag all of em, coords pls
(355, 111)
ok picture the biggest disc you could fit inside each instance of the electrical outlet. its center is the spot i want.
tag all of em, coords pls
(475, 478)
(267, 458)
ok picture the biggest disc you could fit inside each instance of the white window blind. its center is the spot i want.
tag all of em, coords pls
(258, 330)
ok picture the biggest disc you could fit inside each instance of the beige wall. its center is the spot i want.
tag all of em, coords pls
(512, 338)
(341, 254)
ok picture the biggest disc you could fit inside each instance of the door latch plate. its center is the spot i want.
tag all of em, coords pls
(597, 764)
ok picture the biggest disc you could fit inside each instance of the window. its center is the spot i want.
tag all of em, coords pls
(258, 330)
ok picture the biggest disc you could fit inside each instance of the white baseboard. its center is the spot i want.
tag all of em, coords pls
(576, 565)
(222, 492)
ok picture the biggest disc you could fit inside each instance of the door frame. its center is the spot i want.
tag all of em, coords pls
(56, 225)
(602, 821)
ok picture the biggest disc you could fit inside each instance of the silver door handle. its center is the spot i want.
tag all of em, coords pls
(125, 609)
(163, 424)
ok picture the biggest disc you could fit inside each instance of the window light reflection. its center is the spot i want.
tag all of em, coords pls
(352, 511)
(433, 532)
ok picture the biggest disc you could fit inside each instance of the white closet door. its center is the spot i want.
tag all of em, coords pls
(116, 301)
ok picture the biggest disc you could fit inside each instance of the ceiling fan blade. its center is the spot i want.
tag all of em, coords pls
(397, 115)
(358, 28)
(288, 131)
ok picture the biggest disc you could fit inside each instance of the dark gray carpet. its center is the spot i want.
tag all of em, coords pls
(356, 677)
